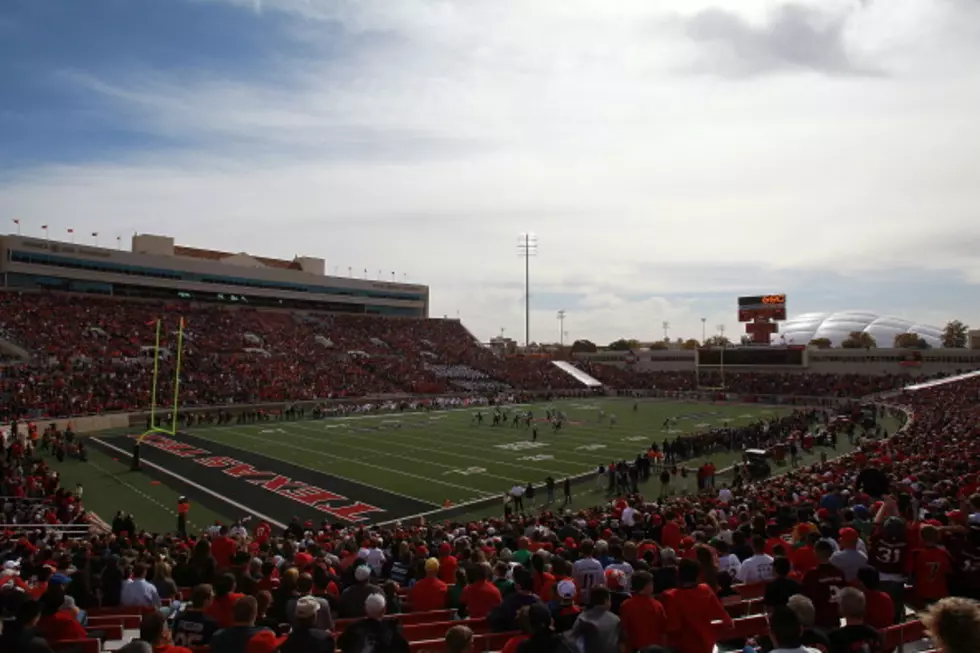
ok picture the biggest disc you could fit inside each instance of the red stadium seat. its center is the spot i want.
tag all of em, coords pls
(751, 590)
(406, 618)
(419, 632)
(111, 631)
(79, 645)
(895, 637)
(745, 628)
(126, 621)
(485, 642)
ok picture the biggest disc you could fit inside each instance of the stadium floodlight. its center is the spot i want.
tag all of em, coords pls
(704, 332)
(527, 246)
(666, 325)
(561, 328)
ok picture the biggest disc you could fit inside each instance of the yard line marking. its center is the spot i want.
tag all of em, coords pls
(401, 435)
(194, 485)
(293, 434)
(467, 434)
(140, 492)
(352, 461)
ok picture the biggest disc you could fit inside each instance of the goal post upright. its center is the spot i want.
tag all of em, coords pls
(154, 426)
(156, 374)
(180, 352)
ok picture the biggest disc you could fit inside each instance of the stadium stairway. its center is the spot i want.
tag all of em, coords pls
(577, 374)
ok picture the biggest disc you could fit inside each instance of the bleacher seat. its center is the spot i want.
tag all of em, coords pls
(79, 645)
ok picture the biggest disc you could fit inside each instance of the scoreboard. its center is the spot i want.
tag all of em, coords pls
(762, 307)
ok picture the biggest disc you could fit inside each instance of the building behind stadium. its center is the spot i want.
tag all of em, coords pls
(156, 268)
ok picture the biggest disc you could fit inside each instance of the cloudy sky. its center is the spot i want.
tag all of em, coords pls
(669, 155)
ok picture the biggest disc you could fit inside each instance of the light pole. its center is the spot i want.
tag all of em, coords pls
(721, 330)
(704, 332)
(666, 326)
(527, 246)
(561, 328)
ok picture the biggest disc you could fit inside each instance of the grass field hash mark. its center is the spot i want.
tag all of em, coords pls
(352, 461)
(401, 435)
(141, 493)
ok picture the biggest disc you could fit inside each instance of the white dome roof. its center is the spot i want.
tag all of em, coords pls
(801, 329)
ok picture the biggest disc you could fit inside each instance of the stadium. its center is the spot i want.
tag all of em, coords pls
(168, 399)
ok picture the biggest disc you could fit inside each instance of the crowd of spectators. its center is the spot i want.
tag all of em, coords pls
(96, 356)
(841, 548)
(748, 383)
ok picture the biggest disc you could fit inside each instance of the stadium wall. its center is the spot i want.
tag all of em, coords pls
(820, 361)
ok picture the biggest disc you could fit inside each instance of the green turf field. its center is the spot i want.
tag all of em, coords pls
(433, 457)
(441, 456)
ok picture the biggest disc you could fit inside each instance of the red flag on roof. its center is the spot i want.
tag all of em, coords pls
(71, 231)
(44, 226)
(16, 221)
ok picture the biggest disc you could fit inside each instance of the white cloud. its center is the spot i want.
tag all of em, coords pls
(450, 127)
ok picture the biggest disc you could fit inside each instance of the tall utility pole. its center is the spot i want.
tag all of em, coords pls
(704, 330)
(561, 328)
(666, 326)
(527, 246)
(721, 330)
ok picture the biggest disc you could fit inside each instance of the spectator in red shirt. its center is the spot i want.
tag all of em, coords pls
(223, 549)
(58, 624)
(879, 609)
(931, 566)
(155, 631)
(447, 563)
(671, 533)
(690, 608)
(430, 592)
(480, 596)
(643, 617)
(222, 609)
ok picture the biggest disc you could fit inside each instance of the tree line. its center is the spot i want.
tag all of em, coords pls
(954, 337)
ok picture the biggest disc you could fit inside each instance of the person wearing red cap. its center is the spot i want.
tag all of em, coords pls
(930, 567)
(447, 563)
(849, 560)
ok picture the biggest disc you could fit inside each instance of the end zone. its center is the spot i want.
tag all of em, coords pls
(269, 489)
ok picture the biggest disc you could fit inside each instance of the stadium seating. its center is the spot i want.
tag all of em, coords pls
(97, 356)
(93, 356)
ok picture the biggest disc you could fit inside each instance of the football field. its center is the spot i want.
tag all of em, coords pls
(376, 468)
(383, 467)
